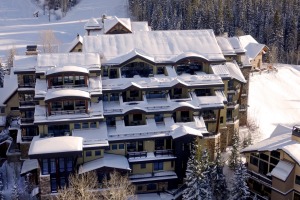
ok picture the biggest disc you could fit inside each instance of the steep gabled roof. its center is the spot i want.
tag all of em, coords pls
(68, 47)
(253, 48)
(109, 23)
(92, 24)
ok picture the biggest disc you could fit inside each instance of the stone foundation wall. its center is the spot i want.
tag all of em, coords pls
(45, 188)
(223, 138)
(232, 127)
(243, 118)
(210, 144)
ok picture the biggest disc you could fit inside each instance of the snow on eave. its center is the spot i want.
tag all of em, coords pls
(181, 130)
(64, 69)
(108, 160)
(253, 49)
(51, 145)
(24, 63)
(187, 55)
(69, 93)
(10, 86)
(282, 170)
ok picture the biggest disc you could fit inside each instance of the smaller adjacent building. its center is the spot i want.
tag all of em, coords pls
(274, 164)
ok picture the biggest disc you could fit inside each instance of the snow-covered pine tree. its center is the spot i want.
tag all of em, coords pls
(1, 195)
(240, 190)
(220, 189)
(193, 174)
(15, 193)
(205, 183)
(234, 161)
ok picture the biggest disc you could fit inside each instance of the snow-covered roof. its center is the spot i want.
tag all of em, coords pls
(54, 145)
(87, 60)
(229, 69)
(279, 140)
(69, 93)
(236, 44)
(110, 22)
(135, 52)
(10, 85)
(225, 45)
(253, 48)
(25, 63)
(235, 72)
(75, 69)
(93, 137)
(282, 170)
(29, 165)
(68, 47)
(181, 130)
(92, 24)
(221, 70)
(163, 46)
(108, 160)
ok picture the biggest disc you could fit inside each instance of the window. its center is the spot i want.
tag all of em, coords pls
(14, 108)
(137, 117)
(114, 147)
(79, 80)
(139, 187)
(57, 81)
(56, 105)
(53, 185)
(160, 70)
(2, 109)
(121, 146)
(80, 104)
(274, 161)
(69, 164)
(88, 153)
(45, 167)
(158, 166)
(253, 161)
(143, 165)
(172, 163)
(114, 97)
(68, 79)
(159, 117)
(77, 126)
(151, 186)
(93, 125)
(68, 105)
(275, 154)
(85, 125)
(131, 146)
(62, 182)
(52, 165)
(134, 93)
(297, 180)
(61, 165)
(264, 156)
(159, 144)
(221, 120)
(97, 153)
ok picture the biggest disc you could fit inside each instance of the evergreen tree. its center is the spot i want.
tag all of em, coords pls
(240, 190)
(205, 181)
(15, 193)
(234, 161)
(219, 184)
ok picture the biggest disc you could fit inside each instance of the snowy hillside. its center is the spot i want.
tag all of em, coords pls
(19, 28)
(274, 98)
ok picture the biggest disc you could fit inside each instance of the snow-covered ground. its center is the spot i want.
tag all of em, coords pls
(19, 28)
(274, 98)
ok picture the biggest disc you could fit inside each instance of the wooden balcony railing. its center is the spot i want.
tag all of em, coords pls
(165, 152)
(137, 154)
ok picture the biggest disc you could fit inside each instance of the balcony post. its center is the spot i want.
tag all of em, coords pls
(241, 90)
(218, 121)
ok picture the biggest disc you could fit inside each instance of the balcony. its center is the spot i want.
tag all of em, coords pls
(137, 154)
(209, 117)
(165, 152)
(68, 112)
(163, 175)
(27, 138)
(27, 120)
(260, 178)
(68, 86)
(27, 103)
(26, 85)
(232, 105)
